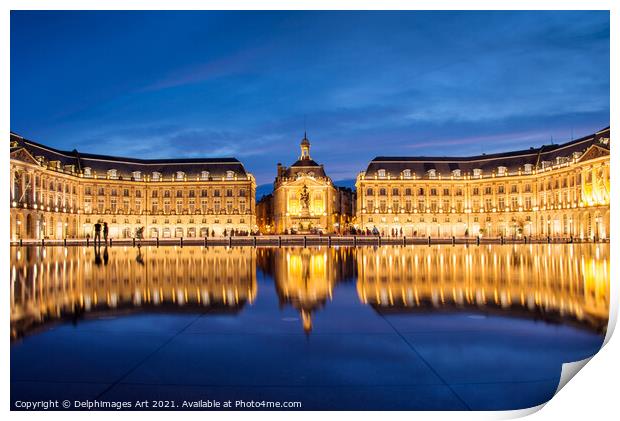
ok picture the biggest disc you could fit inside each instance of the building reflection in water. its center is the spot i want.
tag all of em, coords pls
(53, 282)
(305, 277)
(551, 282)
(559, 283)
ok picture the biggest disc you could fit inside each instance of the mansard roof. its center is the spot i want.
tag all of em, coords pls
(487, 163)
(217, 167)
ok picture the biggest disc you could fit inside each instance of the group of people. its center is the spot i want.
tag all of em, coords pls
(98, 228)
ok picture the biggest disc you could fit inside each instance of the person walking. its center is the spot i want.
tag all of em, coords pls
(105, 233)
(97, 233)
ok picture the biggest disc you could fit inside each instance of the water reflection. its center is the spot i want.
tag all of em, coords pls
(553, 282)
(560, 283)
(52, 283)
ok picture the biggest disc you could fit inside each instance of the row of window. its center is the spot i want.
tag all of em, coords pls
(88, 191)
(204, 206)
(157, 176)
(478, 172)
(446, 205)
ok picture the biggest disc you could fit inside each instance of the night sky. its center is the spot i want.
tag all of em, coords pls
(185, 84)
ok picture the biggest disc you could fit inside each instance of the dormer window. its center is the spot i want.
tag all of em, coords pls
(477, 172)
(230, 175)
(546, 164)
(311, 174)
(576, 155)
(204, 175)
(112, 174)
(407, 173)
(180, 176)
(69, 168)
(137, 175)
(456, 173)
(381, 173)
(156, 176)
(528, 168)
(432, 173)
(88, 172)
(501, 170)
(561, 160)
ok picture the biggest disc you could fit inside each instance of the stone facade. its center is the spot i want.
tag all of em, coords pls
(57, 194)
(556, 190)
(305, 199)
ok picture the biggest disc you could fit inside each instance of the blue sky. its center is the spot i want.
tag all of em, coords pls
(184, 84)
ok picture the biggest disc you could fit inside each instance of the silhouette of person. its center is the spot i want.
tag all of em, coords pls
(105, 232)
(139, 258)
(105, 255)
(97, 255)
(97, 233)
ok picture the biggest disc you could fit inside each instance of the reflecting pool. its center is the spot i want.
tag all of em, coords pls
(413, 327)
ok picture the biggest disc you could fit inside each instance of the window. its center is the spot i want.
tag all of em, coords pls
(381, 173)
(87, 191)
(137, 175)
(420, 192)
(502, 170)
(126, 192)
(408, 192)
(446, 192)
(369, 192)
(229, 193)
(242, 193)
(216, 193)
(456, 173)
(230, 175)
(500, 189)
(204, 175)
(382, 192)
(527, 168)
(395, 192)
(112, 174)
(407, 173)
(203, 193)
(432, 173)
(477, 172)
(179, 193)
(154, 193)
(433, 192)
(88, 172)
(156, 176)
(166, 193)
(180, 175)
(487, 190)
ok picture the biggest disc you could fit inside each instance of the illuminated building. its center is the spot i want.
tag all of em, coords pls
(58, 194)
(555, 190)
(304, 199)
